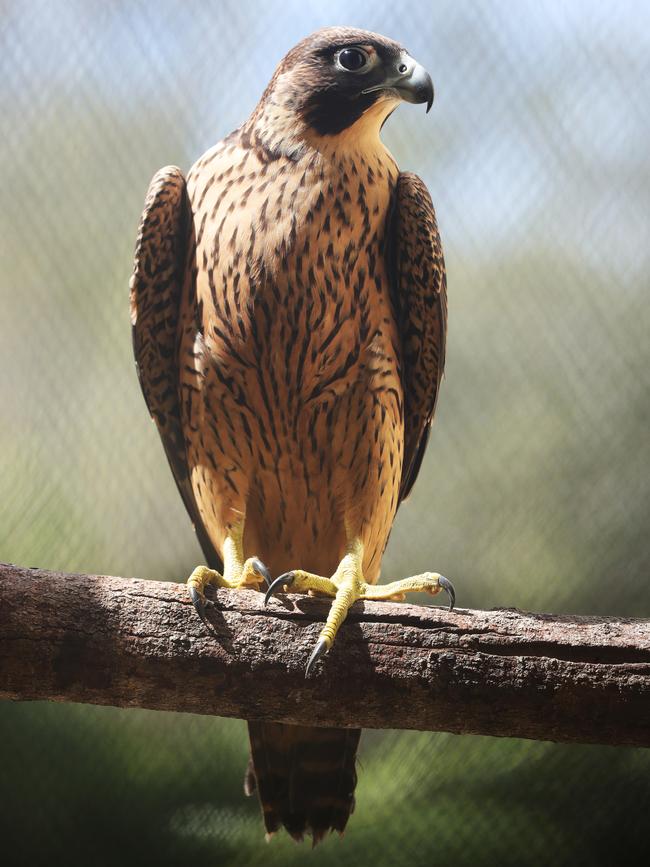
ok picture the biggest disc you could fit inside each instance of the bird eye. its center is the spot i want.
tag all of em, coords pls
(352, 59)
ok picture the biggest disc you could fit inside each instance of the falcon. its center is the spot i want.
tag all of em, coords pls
(288, 304)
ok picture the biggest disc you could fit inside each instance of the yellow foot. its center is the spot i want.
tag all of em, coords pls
(252, 573)
(303, 582)
(346, 586)
(428, 582)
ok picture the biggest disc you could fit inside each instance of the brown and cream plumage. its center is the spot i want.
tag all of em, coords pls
(289, 312)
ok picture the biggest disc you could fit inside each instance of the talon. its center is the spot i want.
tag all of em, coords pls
(448, 587)
(198, 600)
(261, 569)
(322, 646)
(287, 578)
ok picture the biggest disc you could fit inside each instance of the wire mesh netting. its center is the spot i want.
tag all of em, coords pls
(535, 489)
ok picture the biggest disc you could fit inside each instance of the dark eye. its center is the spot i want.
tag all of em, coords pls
(352, 59)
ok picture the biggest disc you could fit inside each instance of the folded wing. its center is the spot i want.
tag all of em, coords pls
(162, 256)
(420, 298)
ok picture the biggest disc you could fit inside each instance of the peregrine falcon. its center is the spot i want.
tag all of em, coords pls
(288, 304)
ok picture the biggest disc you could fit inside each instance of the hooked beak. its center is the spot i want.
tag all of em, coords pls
(409, 80)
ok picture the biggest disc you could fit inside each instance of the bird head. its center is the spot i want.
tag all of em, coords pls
(341, 79)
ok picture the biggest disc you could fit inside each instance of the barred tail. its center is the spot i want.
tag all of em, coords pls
(305, 777)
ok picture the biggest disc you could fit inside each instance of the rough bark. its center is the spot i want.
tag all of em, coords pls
(134, 643)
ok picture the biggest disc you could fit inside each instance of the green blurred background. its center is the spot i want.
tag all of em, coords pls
(535, 491)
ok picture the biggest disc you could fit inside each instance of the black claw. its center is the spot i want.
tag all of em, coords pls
(287, 578)
(199, 604)
(319, 651)
(259, 567)
(448, 587)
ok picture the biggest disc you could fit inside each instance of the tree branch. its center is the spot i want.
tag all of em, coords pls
(132, 643)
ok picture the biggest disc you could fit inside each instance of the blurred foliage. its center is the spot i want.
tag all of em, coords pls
(535, 490)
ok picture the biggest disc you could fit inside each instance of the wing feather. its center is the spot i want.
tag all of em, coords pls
(156, 285)
(420, 297)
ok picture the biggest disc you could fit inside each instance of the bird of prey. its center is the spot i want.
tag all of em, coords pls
(289, 311)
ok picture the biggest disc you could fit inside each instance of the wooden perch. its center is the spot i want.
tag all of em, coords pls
(132, 643)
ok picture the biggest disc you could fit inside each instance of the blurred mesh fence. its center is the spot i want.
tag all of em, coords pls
(535, 490)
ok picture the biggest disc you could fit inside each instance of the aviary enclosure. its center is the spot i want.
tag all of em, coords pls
(534, 493)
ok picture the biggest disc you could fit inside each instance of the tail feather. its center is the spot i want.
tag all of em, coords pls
(305, 777)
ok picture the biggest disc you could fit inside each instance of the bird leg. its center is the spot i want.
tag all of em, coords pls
(347, 586)
(237, 572)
